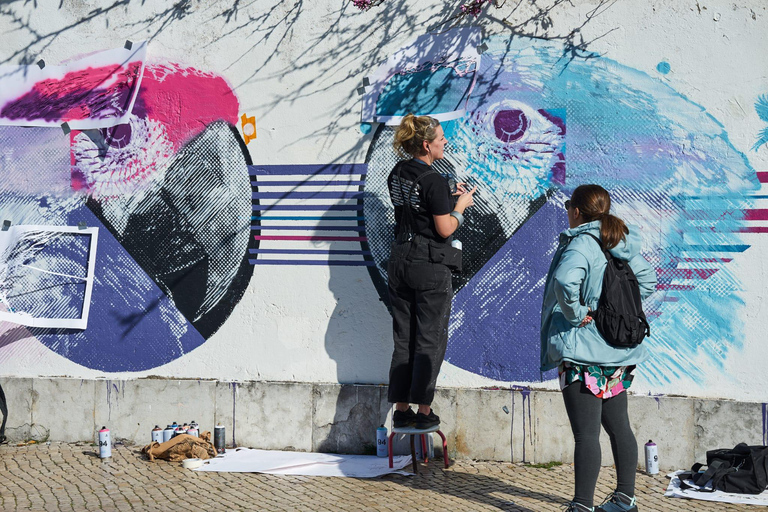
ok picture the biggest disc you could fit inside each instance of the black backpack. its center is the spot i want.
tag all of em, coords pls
(742, 469)
(619, 316)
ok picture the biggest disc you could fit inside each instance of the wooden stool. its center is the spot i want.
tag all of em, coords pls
(412, 431)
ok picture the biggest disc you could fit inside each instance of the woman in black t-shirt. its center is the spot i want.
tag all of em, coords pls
(426, 216)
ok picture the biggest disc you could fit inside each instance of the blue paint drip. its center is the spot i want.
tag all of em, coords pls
(365, 128)
(233, 385)
(663, 67)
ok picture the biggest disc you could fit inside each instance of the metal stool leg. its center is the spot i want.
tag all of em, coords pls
(424, 449)
(413, 455)
(445, 449)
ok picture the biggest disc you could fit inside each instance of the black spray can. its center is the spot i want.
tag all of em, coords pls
(218, 438)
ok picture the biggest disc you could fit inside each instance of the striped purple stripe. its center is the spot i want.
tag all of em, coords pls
(311, 170)
(314, 262)
(307, 207)
(307, 195)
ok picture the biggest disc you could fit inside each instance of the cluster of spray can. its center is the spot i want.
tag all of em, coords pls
(162, 435)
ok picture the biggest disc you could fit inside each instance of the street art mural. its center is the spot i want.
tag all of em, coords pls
(161, 174)
(537, 125)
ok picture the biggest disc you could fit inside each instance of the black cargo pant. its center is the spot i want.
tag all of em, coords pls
(420, 294)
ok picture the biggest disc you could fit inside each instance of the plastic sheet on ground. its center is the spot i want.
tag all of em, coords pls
(674, 491)
(246, 460)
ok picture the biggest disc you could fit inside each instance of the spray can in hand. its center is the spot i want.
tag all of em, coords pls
(105, 443)
(651, 458)
(381, 442)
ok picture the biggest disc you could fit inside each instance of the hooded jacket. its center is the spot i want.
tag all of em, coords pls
(576, 273)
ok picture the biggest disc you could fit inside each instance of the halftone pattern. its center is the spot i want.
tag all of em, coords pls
(44, 274)
(488, 224)
(672, 172)
(191, 234)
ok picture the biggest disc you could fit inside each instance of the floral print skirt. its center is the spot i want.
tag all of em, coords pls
(602, 381)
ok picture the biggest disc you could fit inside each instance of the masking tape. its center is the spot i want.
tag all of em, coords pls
(191, 463)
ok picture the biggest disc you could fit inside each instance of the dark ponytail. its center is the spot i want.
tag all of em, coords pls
(594, 203)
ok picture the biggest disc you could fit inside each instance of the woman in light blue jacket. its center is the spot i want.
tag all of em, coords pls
(593, 375)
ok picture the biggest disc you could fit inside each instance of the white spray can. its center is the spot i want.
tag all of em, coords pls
(651, 458)
(105, 443)
(167, 433)
(381, 442)
(157, 434)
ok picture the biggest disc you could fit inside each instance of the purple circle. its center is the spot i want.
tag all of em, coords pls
(117, 136)
(510, 125)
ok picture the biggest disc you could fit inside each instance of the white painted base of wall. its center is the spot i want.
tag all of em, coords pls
(485, 424)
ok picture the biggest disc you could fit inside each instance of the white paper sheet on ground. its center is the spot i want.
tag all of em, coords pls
(674, 491)
(454, 49)
(46, 275)
(246, 460)
(97, 91)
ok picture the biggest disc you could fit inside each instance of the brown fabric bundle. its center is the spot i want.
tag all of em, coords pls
(182, 447)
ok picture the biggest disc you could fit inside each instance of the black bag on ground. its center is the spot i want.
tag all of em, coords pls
(742, 469)
(619, 316)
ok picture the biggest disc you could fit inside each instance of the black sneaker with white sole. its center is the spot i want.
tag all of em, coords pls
(403, 419)
(424, 421)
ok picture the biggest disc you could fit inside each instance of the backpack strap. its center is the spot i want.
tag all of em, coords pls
(715, 472)
(599, 242)
(407, 211)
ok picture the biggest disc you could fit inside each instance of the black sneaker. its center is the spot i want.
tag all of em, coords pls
(403, 419)
(424, 421)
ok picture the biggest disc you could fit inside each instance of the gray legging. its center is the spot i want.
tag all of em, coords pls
(586, 412)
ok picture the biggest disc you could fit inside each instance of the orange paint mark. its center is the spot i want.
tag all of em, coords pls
(248, 125)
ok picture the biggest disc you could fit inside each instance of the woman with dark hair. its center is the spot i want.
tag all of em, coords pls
(419, 268)
(594, 375)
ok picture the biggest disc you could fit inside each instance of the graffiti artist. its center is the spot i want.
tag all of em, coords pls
(427, 214)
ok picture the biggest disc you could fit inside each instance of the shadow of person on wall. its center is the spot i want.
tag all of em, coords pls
(358, 340)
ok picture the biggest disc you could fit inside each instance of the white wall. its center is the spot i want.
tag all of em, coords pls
(296, 67)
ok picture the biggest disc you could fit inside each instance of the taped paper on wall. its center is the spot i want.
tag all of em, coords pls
(433, 76)
(97, 91)
(46, 275)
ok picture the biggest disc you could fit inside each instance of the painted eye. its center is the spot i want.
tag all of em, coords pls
(117, 136)
(510, 125)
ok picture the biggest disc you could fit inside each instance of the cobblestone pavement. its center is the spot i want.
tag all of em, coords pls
(71, 477)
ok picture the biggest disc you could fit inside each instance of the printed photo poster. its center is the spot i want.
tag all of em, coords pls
(46, 275)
